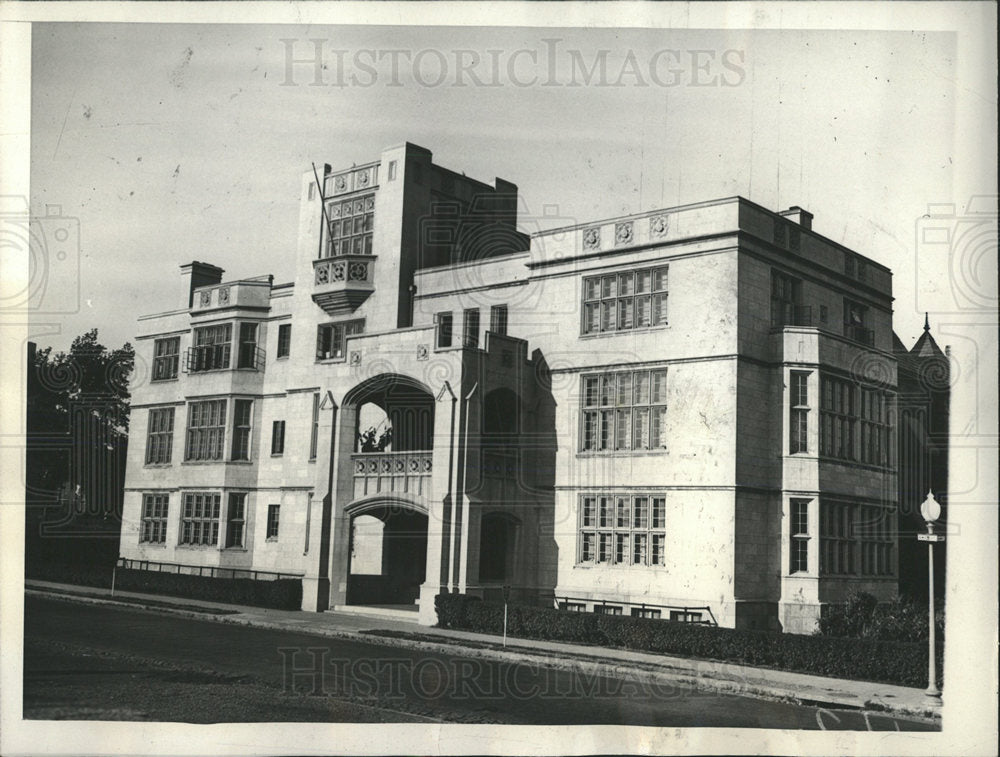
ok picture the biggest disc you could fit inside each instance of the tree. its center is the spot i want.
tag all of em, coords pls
(77, 440)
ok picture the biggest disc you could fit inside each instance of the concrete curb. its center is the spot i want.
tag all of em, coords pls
(700, 675)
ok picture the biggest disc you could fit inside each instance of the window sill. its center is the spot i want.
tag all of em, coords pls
(617, 566)
(234, 549)
(158, 465)
(200, 547)
(624, 332)
(281, 357)
(271, 540)
(153, 544)
(330, 360)
(623, 453)
(163, 380)
(277, 454)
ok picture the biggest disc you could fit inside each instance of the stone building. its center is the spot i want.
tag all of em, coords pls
(684, 414)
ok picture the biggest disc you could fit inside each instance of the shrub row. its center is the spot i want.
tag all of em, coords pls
(864, 617)
(71, 573)
(281, 594)
(901, 663)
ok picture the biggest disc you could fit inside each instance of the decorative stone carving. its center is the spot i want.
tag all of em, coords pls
(322, 275)
(357, 272)
(355, 357)
(224, 296)
(592, 239)
(363, 178)
(423, 351)
(658, 226)
(340, 184)
(623, 232)
(205, 298)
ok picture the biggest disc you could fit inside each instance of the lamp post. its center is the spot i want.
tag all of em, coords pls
(931, 511)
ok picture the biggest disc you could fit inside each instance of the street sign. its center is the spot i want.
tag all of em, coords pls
(930, 537)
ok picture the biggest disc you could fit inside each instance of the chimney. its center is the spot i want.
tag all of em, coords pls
(194, 275)
(802, 217)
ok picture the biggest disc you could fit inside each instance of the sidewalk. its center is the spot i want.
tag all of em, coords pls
(725, 678)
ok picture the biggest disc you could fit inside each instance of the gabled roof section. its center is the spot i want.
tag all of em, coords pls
(926, 347)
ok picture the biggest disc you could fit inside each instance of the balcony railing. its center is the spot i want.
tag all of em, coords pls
(859, 334)
(392, 472)
(787, 314)
(342, 283)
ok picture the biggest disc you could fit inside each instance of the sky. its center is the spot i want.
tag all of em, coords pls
(178, 142)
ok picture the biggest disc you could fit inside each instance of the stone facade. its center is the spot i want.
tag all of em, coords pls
(682, 414)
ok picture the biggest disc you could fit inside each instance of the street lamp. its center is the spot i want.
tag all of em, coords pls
(931, 511)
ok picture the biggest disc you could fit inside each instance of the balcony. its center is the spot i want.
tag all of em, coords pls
(860, 334)
(787, 314)
(342, 283)
(392, 473)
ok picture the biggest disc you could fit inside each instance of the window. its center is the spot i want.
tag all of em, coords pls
(799, 536)
(166, 354)
(242, 423)
(392, 170)
(685, 616)
(212, 346)
(273, 512)
(875, 426)
(444, 328)
(314, 434)
(331, 338)
(160, 436)
(206, 430)
(154, 518)
(278, 438)
(284, 340)
(786, 302)
(236, 519)
(470, 328)
(573, 606)
(625, 300)
(623, 529)
(838, 418)
(856, 539)
(837, 547)
(498, 319)
(623, 411)
(247, 356)
(607, 609)
(351, 224)
(856, 323)
(798, 412)
(645, 612)
(200, 524)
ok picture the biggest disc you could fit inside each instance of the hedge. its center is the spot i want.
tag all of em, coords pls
(900, 663)
(280, 594)
(71, 573)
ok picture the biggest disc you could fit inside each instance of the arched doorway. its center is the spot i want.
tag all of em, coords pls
(388, 553)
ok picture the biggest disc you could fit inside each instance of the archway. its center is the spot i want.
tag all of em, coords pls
(388, 554)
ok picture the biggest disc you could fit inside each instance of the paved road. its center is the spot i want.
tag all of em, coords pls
(109, 663)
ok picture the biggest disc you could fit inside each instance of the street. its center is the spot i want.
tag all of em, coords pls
(94, 662)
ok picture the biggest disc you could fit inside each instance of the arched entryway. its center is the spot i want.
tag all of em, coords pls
(388, 553)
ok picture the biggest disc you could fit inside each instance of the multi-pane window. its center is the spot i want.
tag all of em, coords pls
(314, 428)
(786, 301)
(206, 431)
(498, 319)
(200, 522)
(351, 224)
(278, 438)
(799, 536)
(154, 518)
(645, 612)
(625, 300)
(242, 423)
(470, 327)
(601, 609)
(798, 412)
(685, 616)
(856, 539)
(160, 437)
(445, 323)
(837, 544)
(284, 340)
(212, 347)
(856, 323)
(273, 513)
(166, 355)
(838, 418)
(247, 355)
(236, 519)
(331, 338)
(623, 411)
(874, 424)
(623, 529)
